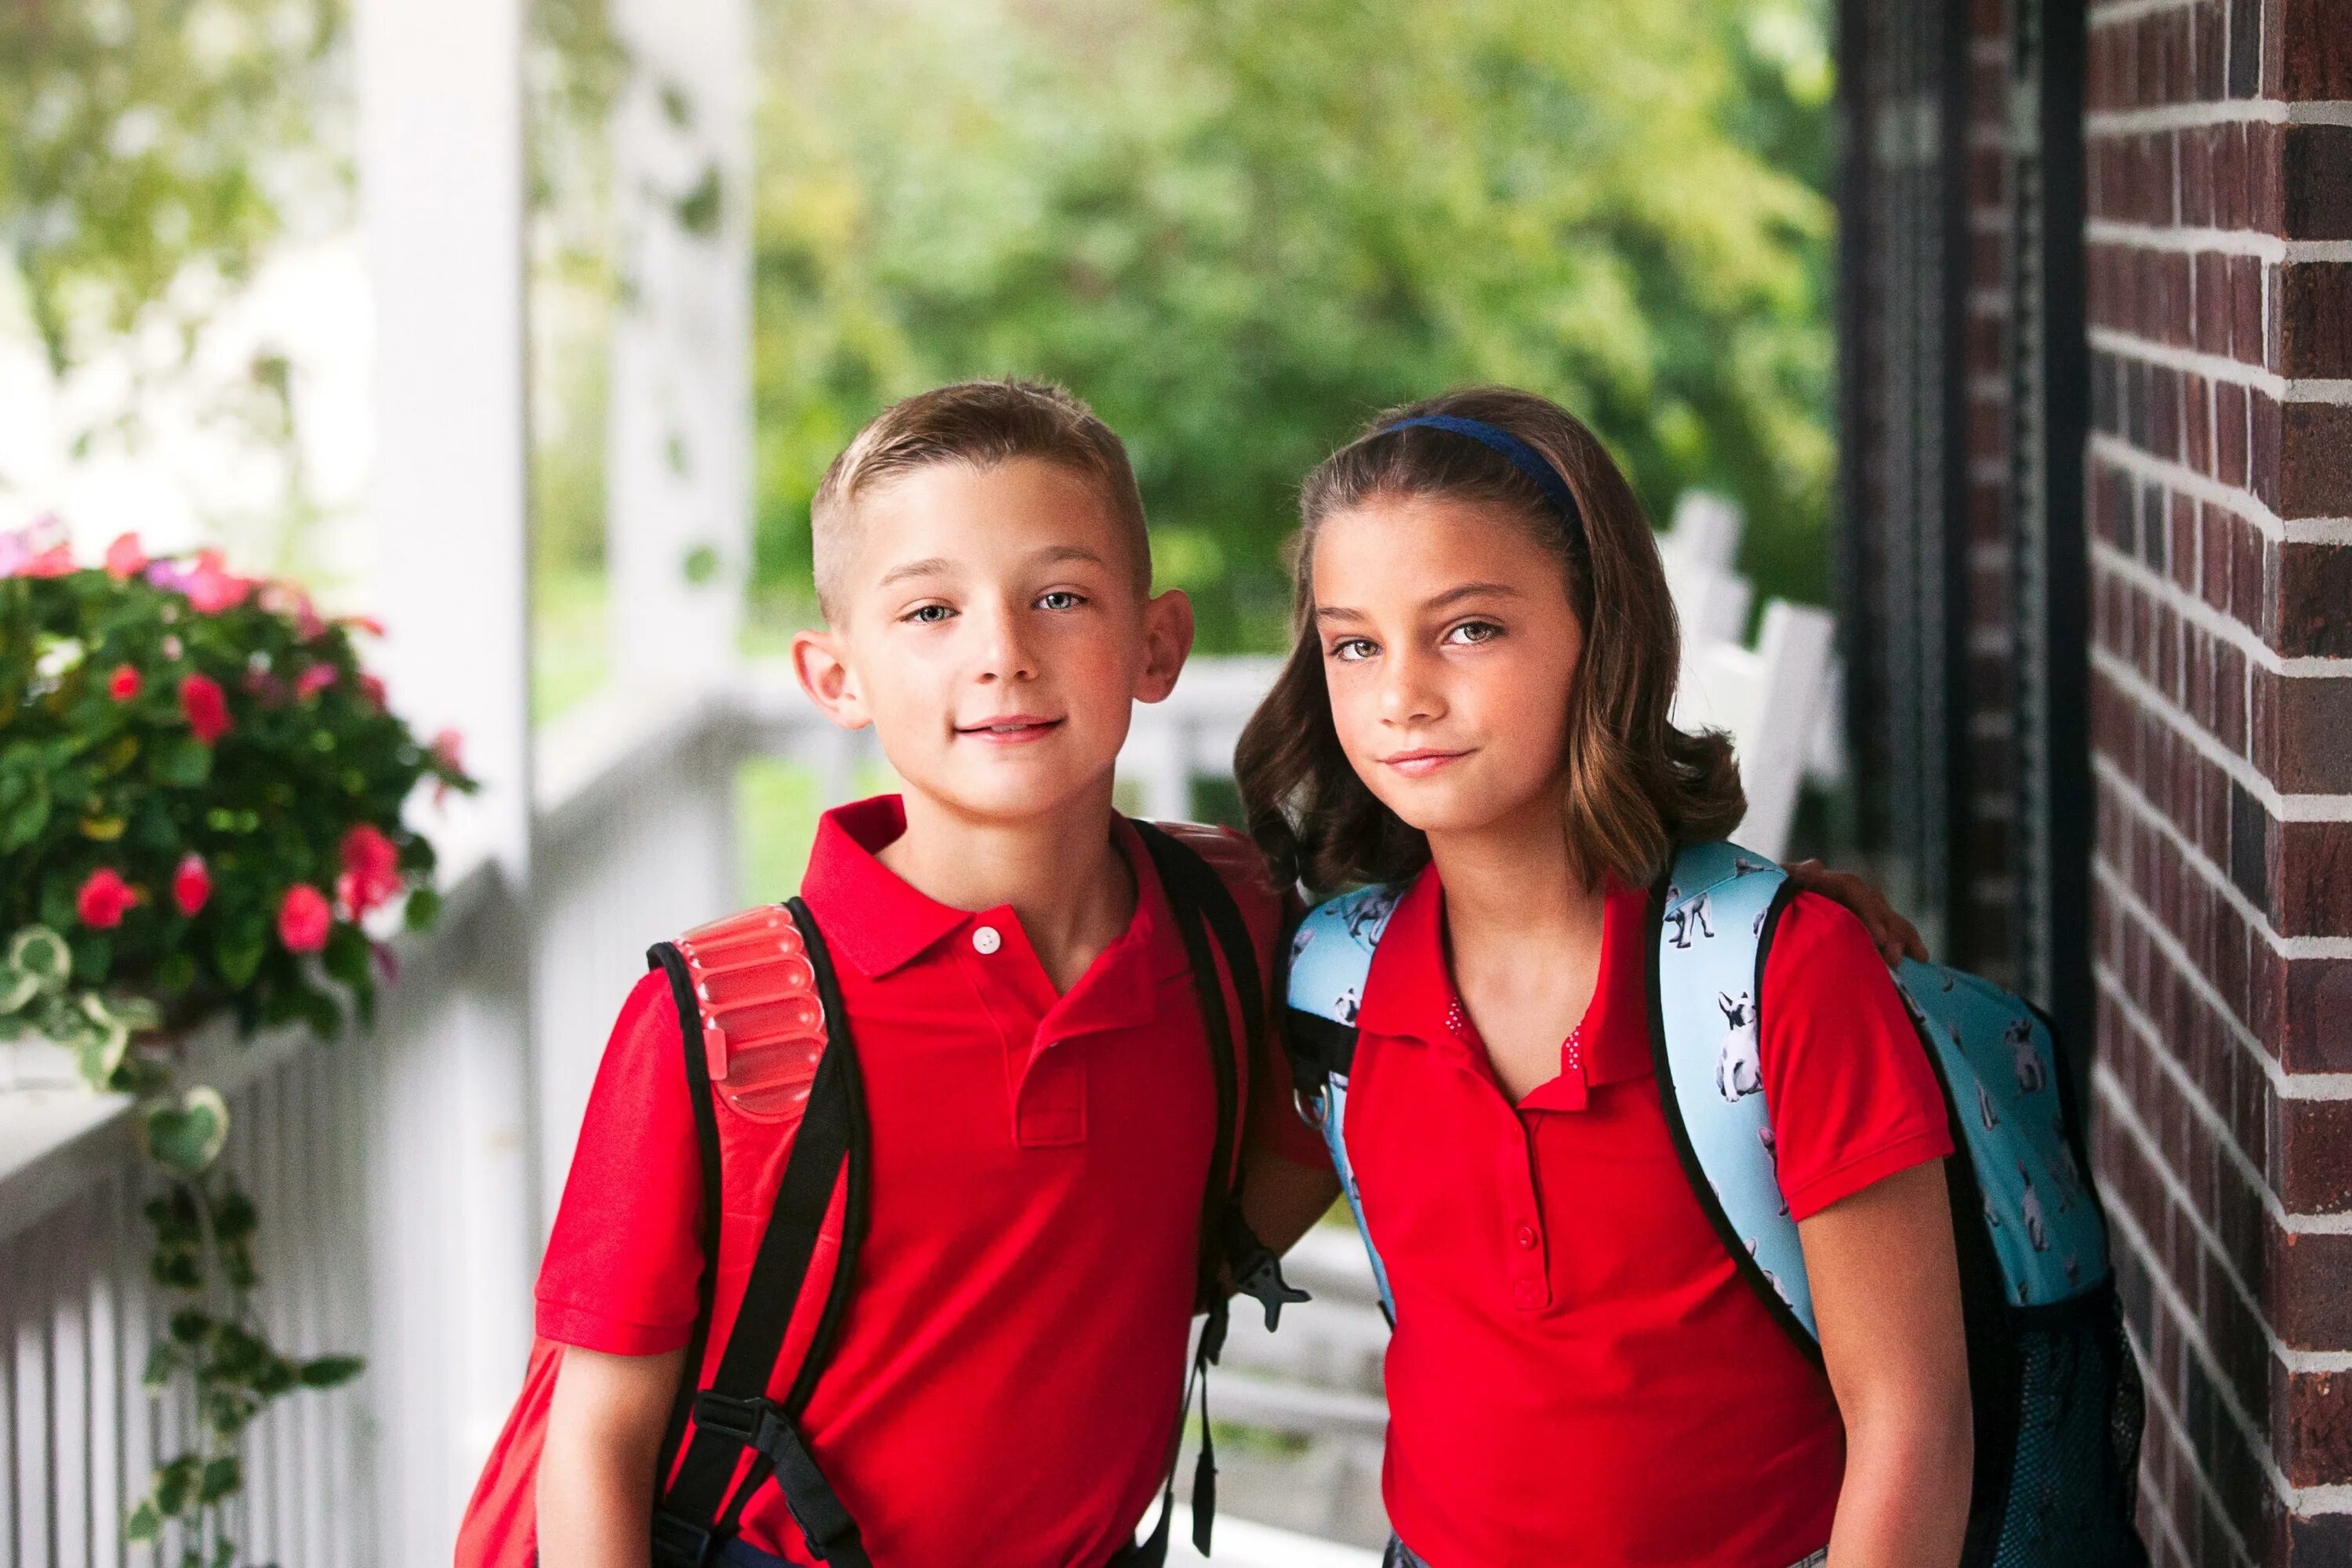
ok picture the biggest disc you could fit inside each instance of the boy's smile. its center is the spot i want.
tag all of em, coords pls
(991, 630)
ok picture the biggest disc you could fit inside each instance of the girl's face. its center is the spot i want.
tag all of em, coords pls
(1448, 645)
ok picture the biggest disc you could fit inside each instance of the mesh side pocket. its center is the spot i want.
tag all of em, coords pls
(2073, 1486)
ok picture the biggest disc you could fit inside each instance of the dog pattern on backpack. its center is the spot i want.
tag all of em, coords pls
(1740, 1065)
(1995, 1055)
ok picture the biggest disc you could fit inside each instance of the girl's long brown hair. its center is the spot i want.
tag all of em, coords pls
(1635, 786)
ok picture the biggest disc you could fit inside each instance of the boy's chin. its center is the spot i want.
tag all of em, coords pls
(1009, 796)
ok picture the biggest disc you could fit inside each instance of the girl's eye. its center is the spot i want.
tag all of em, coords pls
(1060, 599)
(1474, 632)
(928, 615)
(1352, 650)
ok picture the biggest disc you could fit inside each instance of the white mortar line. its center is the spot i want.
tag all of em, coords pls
(2221, 367)
(2218, 623)
(2286, 808)
(2203, 113)
(2122, 454)
(2284, 1084)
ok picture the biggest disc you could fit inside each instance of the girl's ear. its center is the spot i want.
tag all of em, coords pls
(1167, 643)
(823, 666)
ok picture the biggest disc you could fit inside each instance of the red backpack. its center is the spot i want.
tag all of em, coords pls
(773, 1081)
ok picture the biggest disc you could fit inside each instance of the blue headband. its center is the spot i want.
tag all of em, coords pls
(1524, 457)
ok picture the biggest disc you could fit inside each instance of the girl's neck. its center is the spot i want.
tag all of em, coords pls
(1060, 872)
(1512, 879)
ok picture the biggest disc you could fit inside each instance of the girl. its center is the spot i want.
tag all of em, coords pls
(1477, 711)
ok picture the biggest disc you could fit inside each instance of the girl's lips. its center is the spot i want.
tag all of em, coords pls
(1419, 764)
(1016, 730)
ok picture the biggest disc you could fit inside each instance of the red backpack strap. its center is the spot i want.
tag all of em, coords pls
(762, 1020)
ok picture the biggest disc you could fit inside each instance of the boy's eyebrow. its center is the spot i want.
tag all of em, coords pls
(928, 566)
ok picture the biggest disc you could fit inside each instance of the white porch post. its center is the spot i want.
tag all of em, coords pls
(441, 183)
(679, 463)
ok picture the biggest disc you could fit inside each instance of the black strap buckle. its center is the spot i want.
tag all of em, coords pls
(1256, 1271)
(754, 1422)
(681, 1544)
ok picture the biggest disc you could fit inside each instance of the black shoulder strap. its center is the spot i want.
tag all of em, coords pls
(734, 1416)
(1200, 898)
(665, 956)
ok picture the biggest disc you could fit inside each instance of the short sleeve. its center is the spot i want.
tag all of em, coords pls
(625, 1256)
(1853, 1097)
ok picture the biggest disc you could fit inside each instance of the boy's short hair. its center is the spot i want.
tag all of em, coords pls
(983, 423)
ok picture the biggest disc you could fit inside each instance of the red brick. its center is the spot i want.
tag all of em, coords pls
(2314, 753)
(2316, 49)
(2312, 1540)
(2315, 182)
(2315, 599)
(2230, 426)
(2213, 555)
(2210, 307)
(2315, 465)
(2265, 190)
(2264, 454)
(2310, 1290)
(2246, 309)
(2315, 304)
(2313, 866)
(2245, 49)
(2315, 1155)
(2313, 1036)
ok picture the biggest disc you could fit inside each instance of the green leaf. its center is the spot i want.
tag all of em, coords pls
(186, 1138)
(239, 952)
(331, 1371)
(143, 1525)
(16, 988)
(234, 1217)
(185, 762)
(346, 956)
(424, 908)
(22, 821)
(221, 1477)
(175, 973)
(190, 1325)
(163, 1363)
(174, 1484)
(41, 952)
(93, 956)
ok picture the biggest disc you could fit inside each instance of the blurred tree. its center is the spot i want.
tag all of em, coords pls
(1241, 227)
(141, 137)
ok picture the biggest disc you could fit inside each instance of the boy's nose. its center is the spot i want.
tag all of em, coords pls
(1005, 651)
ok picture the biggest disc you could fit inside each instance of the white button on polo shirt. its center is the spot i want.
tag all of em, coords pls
(985, 940)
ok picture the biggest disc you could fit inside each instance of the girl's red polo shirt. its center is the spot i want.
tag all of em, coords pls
(1579, 1373)
(1006, 1377)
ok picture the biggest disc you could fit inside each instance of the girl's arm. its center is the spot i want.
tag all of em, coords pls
(596, 1474)
(1886, 1295)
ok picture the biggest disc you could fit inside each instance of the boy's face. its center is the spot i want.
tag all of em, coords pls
(990, 629)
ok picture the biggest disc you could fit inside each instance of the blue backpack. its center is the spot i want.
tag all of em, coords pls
(2057, 1396)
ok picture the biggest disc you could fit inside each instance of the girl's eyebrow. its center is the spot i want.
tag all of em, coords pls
(1469, 591)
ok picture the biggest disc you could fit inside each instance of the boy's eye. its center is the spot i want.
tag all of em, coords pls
(1351, 650)
(928, 615)
(1060, 599)
(1474, 632)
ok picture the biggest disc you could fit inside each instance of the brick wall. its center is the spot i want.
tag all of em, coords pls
(2219, 163)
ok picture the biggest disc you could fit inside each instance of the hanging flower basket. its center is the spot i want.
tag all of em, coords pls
(201, 799)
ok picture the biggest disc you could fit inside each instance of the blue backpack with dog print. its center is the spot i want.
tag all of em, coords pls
(2057, 1396)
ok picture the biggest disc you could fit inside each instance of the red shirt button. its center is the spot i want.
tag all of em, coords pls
(1526, 1236)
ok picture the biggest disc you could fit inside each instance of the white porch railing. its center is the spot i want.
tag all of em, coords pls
(355, 1152)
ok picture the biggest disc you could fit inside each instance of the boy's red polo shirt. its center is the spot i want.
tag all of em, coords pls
(1006, 1378)
(1579, 1373)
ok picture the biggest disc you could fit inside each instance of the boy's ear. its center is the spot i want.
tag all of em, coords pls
(1167, 643)
(824, 674)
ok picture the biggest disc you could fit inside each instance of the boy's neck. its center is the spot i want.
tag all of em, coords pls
(1060, 872)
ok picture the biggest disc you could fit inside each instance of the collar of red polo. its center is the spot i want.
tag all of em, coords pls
(880, 922)
(1409, 994)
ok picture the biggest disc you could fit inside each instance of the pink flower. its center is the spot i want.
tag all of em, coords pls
(55, 562)
(315, 679)
(371, 874)
(265, 687)
(124, 684)
(192, 884)
(289, 600)
(103, 899)
(205, 706)
(304, 918)
(449, 750)
(125, 557)
(367, 624)
(211, 589)
(39, 550)
(372, 688)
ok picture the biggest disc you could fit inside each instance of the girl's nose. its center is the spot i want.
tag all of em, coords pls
(1407, 696)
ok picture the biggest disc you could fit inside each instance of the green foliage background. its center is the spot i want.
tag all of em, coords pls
(1241, 227)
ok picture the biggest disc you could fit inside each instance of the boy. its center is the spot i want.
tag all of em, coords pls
(1007, 1375)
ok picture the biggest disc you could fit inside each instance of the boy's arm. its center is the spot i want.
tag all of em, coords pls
(1893, 937)
(605, 1430)
(1886, 1295)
